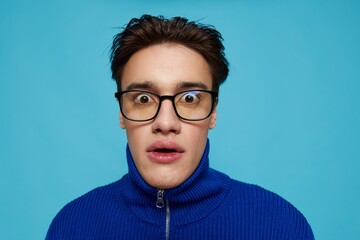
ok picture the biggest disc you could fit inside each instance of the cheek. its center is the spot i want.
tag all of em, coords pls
(200, 129)
(197, 136)
(136, 144)
(134, 134)
(138, 134)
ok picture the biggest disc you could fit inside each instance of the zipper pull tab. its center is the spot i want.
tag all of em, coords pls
(160, 198)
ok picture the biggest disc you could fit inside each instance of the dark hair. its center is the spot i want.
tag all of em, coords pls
(148, 30)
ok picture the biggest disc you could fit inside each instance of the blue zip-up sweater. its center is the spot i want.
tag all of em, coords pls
(209, 205)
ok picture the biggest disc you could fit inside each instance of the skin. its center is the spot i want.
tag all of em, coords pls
(166, 69)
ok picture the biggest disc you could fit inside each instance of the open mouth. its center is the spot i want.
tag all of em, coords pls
(164, 152)
(165, 147)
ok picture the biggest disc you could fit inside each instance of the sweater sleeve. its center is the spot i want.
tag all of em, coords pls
(266, 215)
(54, 231)
(291, 223)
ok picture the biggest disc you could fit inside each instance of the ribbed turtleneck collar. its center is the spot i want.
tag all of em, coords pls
(195, 198)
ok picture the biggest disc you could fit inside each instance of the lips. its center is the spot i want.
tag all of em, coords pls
(164, 152)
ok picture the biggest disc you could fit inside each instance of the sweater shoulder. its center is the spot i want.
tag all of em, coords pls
(81, 211)
(254, 192)
(257, 196)
(91, 198)
(267, 207)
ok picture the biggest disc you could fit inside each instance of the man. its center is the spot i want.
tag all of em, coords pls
(168, 73)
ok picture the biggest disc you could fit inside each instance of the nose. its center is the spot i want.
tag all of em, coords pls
(166, 121)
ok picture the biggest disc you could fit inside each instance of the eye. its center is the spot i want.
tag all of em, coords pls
(143, 98)
(190, 97)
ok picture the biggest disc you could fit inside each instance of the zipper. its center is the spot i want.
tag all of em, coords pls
(167, 227)
(160, 203)
(160, 198)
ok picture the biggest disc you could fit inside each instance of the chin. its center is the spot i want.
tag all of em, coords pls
(163, 184)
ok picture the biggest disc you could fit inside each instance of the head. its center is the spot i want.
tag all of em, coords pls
(166, 57)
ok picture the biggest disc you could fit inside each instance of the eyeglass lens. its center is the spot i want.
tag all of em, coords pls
(142, 105)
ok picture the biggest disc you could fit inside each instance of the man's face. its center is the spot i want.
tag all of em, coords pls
(167, 69)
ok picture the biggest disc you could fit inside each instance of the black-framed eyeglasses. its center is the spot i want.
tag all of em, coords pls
(190, 105)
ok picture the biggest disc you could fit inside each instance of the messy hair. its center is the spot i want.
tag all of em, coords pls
(148, 30)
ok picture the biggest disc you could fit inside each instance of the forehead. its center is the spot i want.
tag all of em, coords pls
(166, 68)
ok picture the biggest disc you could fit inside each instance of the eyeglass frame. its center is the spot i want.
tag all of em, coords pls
(214, 96)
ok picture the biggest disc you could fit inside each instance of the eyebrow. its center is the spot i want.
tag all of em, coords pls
(187, 85)
(143, 85)
(148, 85)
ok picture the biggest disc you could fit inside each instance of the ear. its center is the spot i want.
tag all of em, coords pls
(213, 118)
(121, 123)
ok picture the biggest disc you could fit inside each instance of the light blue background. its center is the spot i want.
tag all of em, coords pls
(288, 117)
